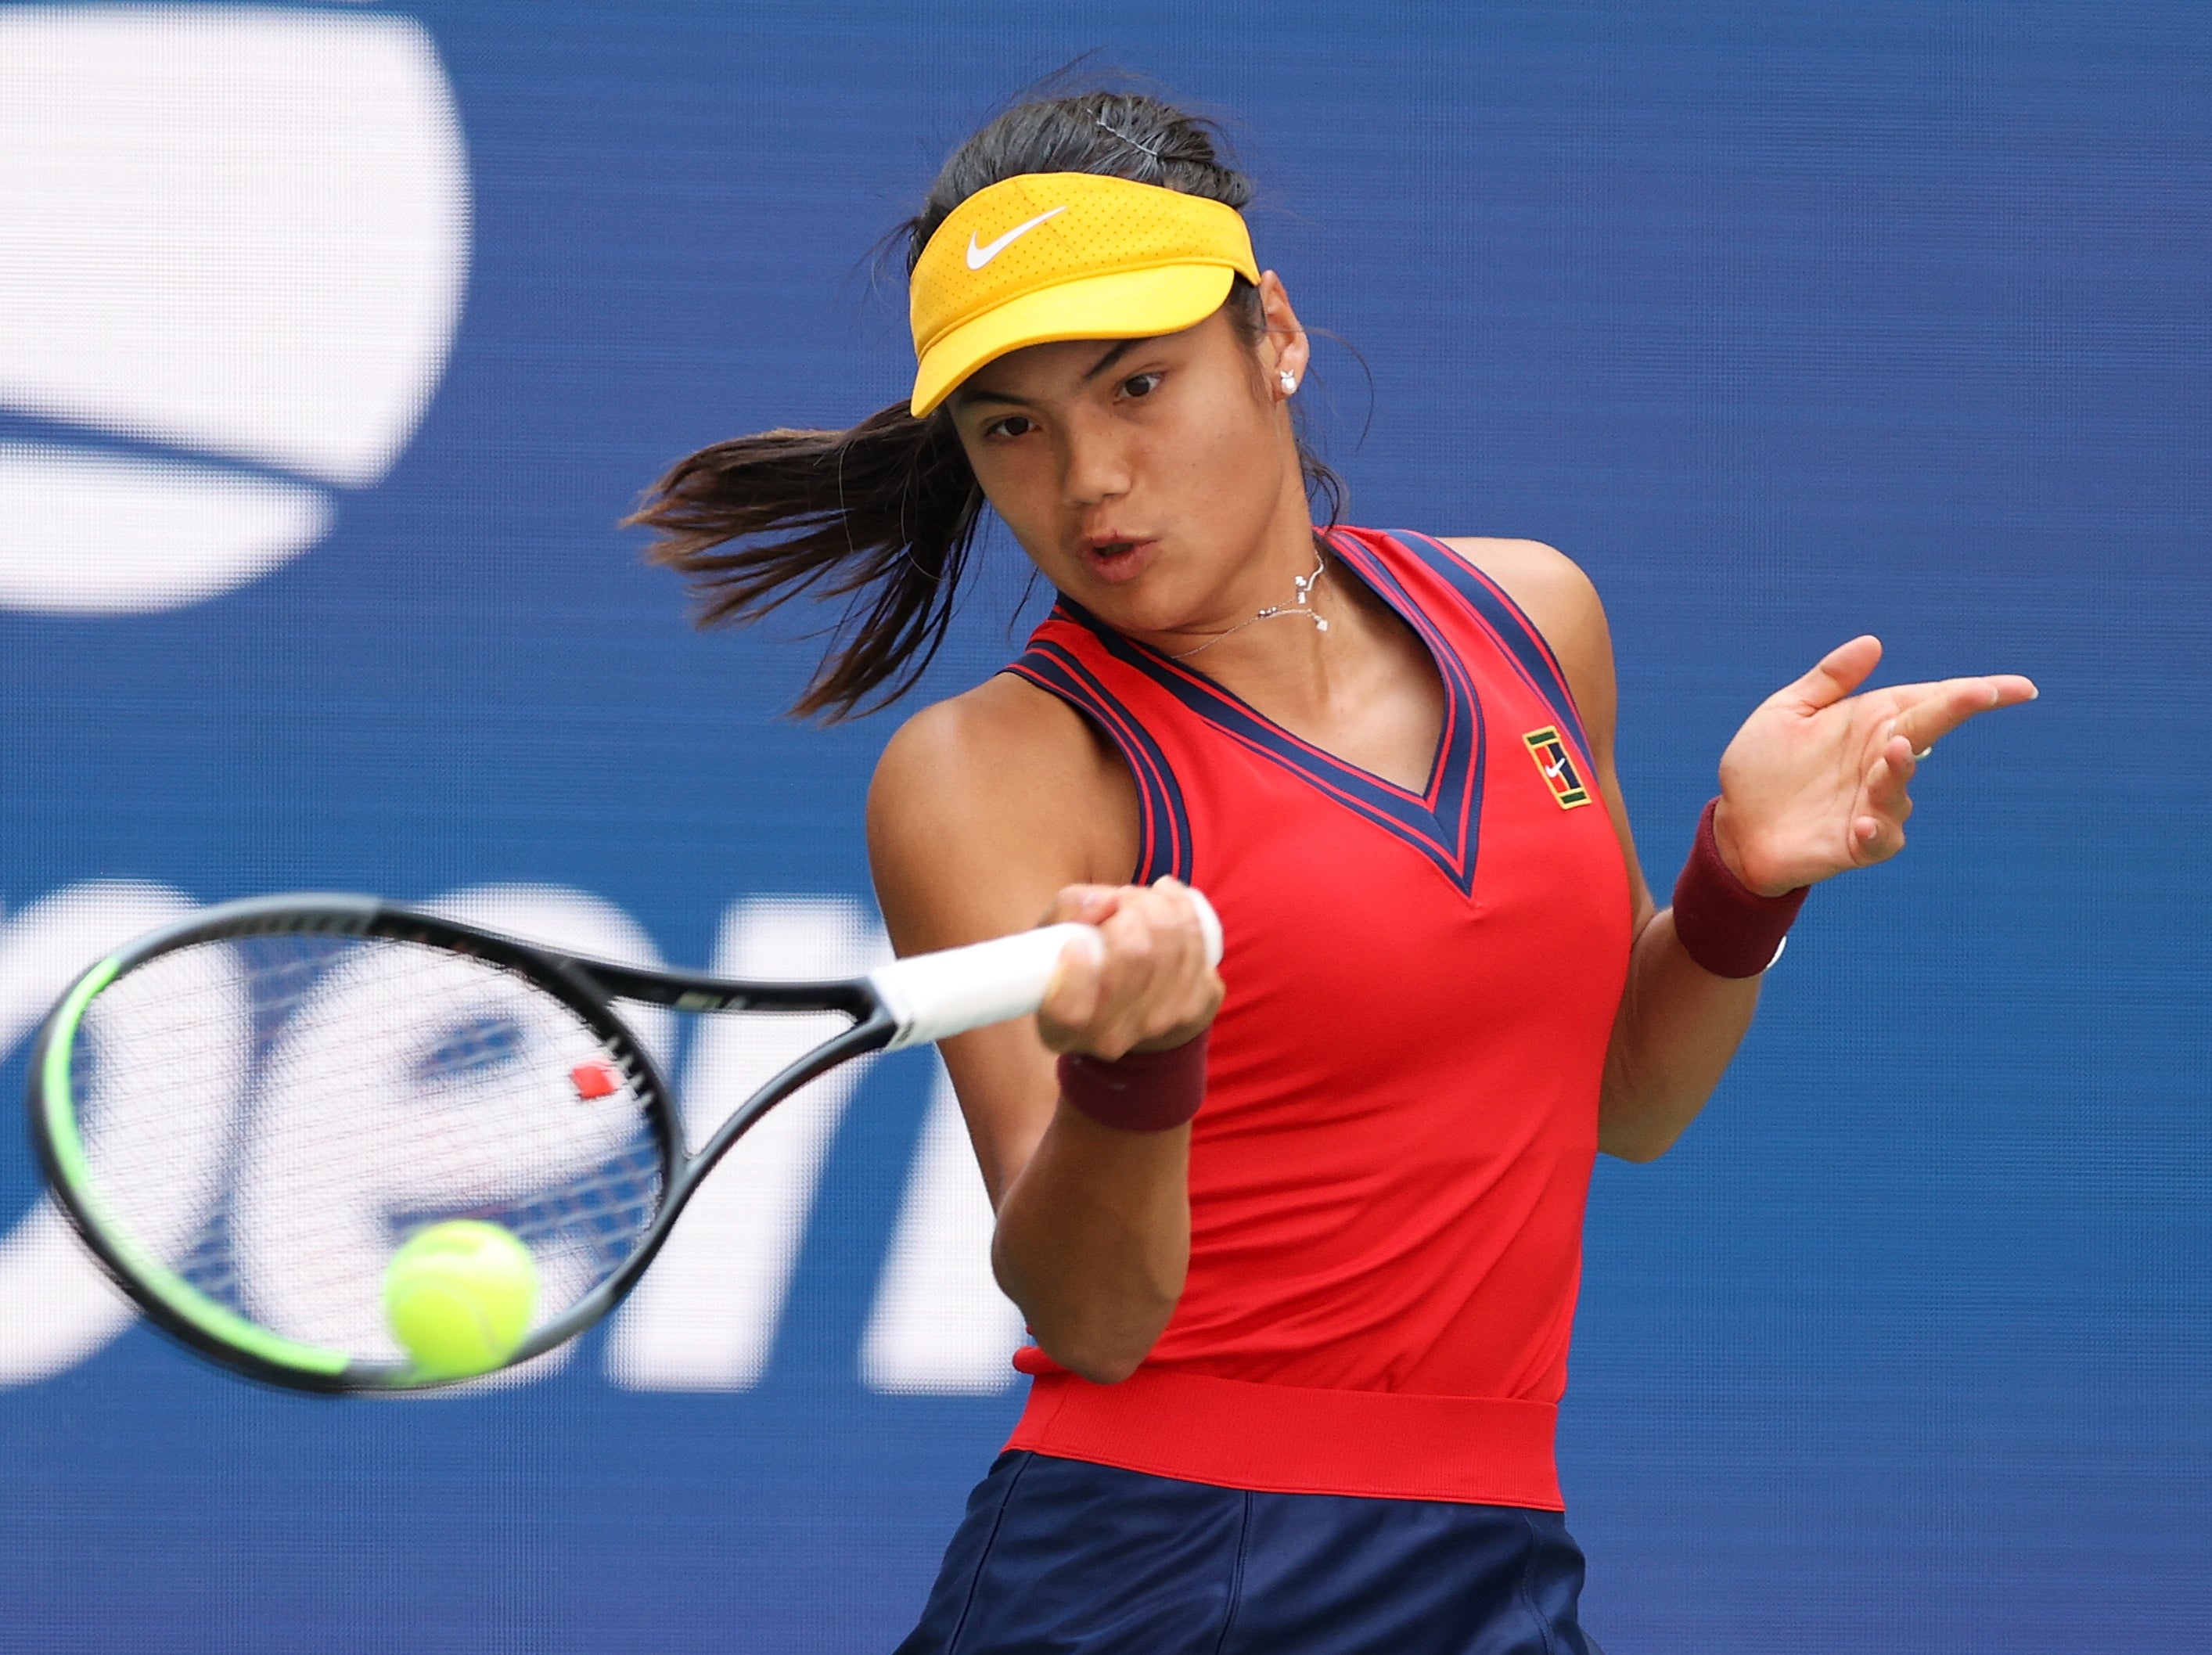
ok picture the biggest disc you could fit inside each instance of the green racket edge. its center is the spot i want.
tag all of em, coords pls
(215, 1321)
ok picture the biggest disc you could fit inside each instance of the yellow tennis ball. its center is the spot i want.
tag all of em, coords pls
(459, 1296)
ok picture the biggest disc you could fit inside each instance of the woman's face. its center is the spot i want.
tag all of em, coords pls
(1142, 475)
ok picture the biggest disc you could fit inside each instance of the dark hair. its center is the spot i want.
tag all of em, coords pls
(886, 514)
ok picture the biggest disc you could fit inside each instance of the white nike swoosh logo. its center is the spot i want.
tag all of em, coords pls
(979, 257)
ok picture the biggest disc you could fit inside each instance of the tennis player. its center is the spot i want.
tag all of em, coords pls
(1297, 1243)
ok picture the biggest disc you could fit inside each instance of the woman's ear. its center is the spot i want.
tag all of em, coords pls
(1286, 351)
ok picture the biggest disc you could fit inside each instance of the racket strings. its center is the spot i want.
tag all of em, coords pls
(267, 1118)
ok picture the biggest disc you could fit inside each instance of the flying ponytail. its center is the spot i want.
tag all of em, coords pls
(883, 514)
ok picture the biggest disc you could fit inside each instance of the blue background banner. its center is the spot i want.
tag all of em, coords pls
(334, 342)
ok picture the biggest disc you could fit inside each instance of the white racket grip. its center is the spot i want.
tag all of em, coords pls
(931, 996)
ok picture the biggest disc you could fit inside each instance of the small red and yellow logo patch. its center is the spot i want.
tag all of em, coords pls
(1561, 774)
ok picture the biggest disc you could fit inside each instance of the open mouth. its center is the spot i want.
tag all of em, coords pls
(1118, 560)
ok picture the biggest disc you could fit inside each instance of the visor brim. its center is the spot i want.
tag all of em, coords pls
(1118, 305)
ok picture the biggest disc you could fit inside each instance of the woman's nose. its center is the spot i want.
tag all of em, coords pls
(1097, 468)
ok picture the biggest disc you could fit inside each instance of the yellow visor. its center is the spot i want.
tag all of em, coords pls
(1050, 256)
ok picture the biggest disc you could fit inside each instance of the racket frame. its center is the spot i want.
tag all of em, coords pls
(586, 986)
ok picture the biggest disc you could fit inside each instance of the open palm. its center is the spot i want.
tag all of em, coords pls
(1815, 782)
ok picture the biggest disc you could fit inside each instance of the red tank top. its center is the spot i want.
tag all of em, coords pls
(1387, 1177)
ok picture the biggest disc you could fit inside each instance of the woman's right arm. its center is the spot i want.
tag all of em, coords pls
(1000, 810)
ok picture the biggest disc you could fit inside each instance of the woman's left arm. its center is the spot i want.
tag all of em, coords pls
(1814, 784)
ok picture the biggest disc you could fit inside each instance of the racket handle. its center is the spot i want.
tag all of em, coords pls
(955, 989)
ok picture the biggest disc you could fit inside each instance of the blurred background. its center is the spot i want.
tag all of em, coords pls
(335, 339)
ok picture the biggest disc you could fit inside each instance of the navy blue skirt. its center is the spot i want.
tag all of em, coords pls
(1064, 1557)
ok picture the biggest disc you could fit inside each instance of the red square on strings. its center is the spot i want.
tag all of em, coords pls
(596, 1079)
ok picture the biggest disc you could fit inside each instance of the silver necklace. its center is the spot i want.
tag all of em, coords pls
(1301, 603)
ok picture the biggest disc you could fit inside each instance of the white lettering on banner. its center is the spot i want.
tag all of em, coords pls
(56, 1309)
(705, 1315)
(940, 1325)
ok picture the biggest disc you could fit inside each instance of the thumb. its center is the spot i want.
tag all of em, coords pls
(1072, 994)
(1840, 671)
(1091, 904)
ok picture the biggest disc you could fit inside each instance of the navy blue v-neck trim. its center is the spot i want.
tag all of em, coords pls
(1165, 847)
(1443, 822)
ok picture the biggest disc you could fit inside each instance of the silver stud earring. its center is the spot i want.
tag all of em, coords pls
(1290, 381)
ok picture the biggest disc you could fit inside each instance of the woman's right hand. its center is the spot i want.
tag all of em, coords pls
(1150, 987)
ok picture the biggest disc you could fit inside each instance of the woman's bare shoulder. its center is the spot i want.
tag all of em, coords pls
(1005, 785)
(1536, 577)
(1561, 600)
(998, 745)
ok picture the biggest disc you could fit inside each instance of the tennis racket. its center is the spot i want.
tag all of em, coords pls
(371, 1070)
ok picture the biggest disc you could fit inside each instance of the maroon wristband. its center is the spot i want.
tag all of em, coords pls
(1139, 1091)
(1721, 923)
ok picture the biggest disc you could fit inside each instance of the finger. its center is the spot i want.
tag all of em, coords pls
(1840, 671)
(1197, 991)
(1137, 949)
(2011, 687)
(1181, 909)
(1072, 995)
(1932, 711)
(1167, 986)
(1887, 779)
(1874, 840)
(1880, 835)
(1866, 841)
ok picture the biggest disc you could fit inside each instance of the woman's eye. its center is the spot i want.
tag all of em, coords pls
(1141, 384)
(1013, 425)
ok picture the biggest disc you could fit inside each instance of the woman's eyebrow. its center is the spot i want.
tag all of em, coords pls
(966, 395)
(1113, 356)
(1120, 348)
